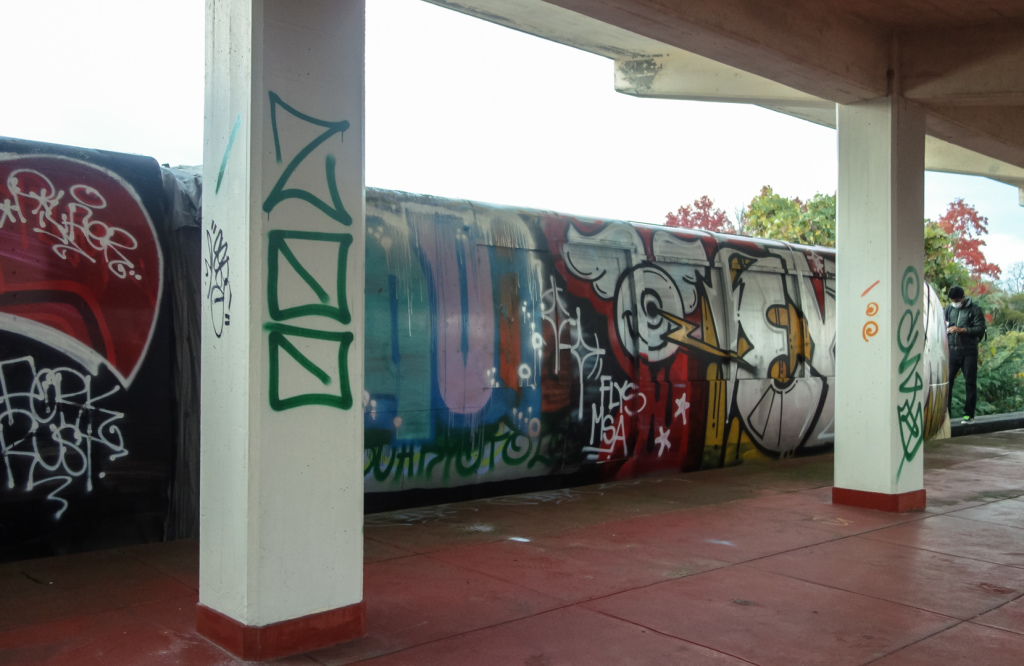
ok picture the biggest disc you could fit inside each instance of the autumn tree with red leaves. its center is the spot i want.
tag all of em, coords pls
(965, 227)
(702, 214)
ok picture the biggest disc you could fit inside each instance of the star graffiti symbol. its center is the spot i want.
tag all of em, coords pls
(817, 263)
(682, 408)
(662, 440)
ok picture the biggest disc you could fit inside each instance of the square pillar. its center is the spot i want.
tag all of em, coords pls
(880, 302)
(281, 494)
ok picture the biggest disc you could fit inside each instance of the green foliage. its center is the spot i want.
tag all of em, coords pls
(941, 268)
(1007, 310)
(1000, 376)
(771, 215)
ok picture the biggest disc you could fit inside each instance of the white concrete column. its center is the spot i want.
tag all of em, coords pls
(282, 425)
(881, 302)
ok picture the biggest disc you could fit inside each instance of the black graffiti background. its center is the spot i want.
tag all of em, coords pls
(128, 504)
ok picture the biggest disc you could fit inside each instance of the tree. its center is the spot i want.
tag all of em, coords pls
(966, 226)
(771, 215)
(941, 268)
(702, 214)
(1000, 376)
(1007, 311)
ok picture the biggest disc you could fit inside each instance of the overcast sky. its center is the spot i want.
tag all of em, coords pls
(456, 107)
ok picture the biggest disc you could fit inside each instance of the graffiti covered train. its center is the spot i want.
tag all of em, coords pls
(504, 345)
(506, 349)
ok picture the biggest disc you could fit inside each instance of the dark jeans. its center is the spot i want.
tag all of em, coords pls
(966, 360)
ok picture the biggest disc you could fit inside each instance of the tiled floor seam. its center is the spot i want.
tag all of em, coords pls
(667, 580)
(942, 552)
(913, 643)
(1018, 634)
(837, 537)
(662, 633)
(974, 619)
(432, 554)
(980, 520)
(558, 531)
(823, 527)
(852, 536)
(867, 596)
(554, 530)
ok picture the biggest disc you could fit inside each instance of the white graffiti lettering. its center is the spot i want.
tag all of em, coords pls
(51, 420)
(569, 333)
(73, 227)
(608, 418)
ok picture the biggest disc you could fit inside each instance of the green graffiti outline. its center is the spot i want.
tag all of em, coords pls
(911, 412)
(279, 193)
(277, 246)
(278, 342)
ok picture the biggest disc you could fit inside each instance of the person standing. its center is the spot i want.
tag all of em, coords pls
(965, 327)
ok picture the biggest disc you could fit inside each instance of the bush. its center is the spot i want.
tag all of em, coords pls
(1000, 376)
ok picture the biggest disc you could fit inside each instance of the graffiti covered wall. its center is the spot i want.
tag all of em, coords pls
(504, 348)
(85, 365)
(507, 344)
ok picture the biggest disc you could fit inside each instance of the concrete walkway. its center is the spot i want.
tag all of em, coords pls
(750, 565)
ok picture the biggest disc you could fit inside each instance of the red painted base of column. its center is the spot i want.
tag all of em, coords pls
(281, 639)
(912, 501)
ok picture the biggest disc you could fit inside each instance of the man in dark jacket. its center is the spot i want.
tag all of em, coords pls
(965, 327)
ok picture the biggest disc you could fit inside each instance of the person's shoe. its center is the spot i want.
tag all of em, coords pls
(967, 419)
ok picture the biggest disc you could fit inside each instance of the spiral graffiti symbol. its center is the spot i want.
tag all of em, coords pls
(872, 309)
(911, 286)
(870, 330)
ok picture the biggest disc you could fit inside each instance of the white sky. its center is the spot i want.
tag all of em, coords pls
(456, 107)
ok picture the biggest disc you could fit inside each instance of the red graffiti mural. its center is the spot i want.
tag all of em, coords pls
(80, 264)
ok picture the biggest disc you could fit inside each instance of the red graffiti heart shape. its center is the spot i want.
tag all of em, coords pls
(80, 264)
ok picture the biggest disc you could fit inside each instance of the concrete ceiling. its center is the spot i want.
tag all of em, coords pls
(962, 60)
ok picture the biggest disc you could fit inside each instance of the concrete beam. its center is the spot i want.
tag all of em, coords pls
(731, 51)
(548, 21)
(825, 115)
(683, 75)
(946, 157)
(939, 155)
(969, 67)
(995, 131)
(825, 53)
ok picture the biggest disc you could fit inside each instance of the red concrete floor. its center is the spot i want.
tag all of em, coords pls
(751, 565)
